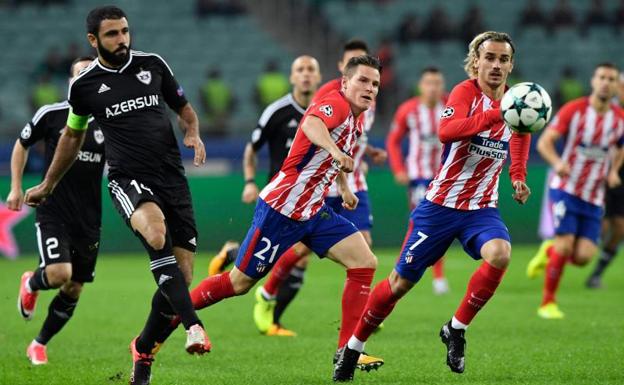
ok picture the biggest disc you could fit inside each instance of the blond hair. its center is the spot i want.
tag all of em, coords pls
(475, 44)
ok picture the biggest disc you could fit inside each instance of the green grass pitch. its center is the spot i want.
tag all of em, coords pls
(507, 343)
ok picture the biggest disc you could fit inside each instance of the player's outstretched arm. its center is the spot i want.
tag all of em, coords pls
(19, 156)
(317, 132)
(189, 124)
(250, 191)
(66, 152)
(394, 140)
(546, 148)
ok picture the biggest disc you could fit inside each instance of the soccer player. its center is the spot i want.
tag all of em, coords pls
(592, 155)
(126, 91)
(67, 225)
(286, 278)
(418, 118)
(460, 202)
(291, 208)
(613, 221)
(276, 127)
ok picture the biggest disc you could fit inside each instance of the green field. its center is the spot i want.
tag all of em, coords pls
(507, 343)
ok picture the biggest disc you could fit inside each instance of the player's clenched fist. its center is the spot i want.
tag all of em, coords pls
(562, 169)
(37, 195)
(349, 200)
(343, 161)
(15, 200)
(522, 192)
(250, 193)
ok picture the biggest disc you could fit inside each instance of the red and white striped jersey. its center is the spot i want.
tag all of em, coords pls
(476, 145)
(420, 124)
(591, 141)
(357, 178)
(298, 191)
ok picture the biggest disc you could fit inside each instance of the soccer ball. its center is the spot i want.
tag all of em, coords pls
(526, 107)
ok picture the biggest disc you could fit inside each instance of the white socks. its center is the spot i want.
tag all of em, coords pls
(455, 324)
(355, 344)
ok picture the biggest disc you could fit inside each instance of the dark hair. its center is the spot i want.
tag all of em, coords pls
(78, 60)
(430, 70)
(355, 44)
(95, 17)
(365, 60)
(607, 64)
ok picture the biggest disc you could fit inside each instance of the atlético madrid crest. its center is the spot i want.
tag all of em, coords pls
(144, 77)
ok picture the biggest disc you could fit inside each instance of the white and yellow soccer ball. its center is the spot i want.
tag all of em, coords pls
(526, 107)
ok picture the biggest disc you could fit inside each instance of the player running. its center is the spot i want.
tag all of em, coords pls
(67, 225)
(613, 221)
(276, 128)
(292, 208)
(594, 128)
(460, 202)
(286, 278)
(418, 119)
(126, 91)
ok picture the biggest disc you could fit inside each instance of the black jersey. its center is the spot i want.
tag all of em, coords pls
(77, 199)
(128, 103)
(277, 126)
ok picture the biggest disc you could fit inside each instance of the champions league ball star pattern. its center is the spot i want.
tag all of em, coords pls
(526, 107)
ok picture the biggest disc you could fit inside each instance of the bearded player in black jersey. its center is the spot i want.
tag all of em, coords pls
(126, 91)
(67, 225)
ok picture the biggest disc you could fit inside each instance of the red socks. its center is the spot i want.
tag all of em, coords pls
(481, 288)
(354, 298)
(212, 290)
(438, 269)
(281, 271)
(554, 271)
(379, 306)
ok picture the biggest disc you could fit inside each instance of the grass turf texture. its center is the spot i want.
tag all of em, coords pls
(507, 343)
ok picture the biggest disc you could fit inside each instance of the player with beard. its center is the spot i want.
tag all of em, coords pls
(126, 92)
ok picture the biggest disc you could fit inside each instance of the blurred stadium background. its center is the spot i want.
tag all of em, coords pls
(233, 57)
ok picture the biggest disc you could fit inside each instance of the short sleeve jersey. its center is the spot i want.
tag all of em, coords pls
(277, 127)
(77, 199)
(591, 139)
(298, 191)
(129, 104)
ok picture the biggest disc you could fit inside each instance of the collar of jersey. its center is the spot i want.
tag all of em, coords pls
(115, 70)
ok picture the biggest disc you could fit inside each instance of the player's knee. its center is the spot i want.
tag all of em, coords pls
(58, 274)
(582, 257)
(156, 235)
(303, 262)
(369, 261)
(301, 250)
(498, 254)
(72, 289)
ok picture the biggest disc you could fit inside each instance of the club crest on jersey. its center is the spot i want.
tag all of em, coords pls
(448, 112)
(327, 110)
(98, 135)
(26, 132)
(144, 77)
